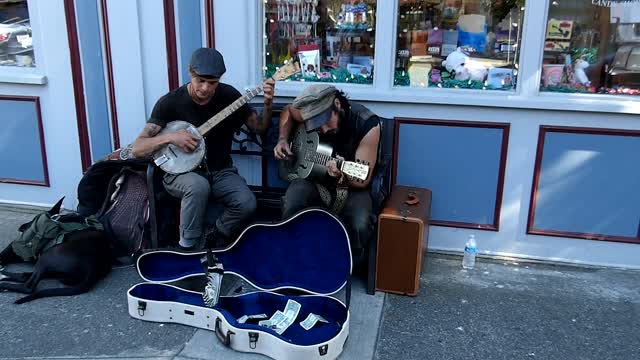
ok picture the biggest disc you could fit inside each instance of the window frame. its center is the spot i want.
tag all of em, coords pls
(526, 95)
(28, 75)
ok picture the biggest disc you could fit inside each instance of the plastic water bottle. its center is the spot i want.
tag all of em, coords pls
(470, 250)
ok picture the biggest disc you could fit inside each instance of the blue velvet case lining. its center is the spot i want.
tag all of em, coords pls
(310, 251)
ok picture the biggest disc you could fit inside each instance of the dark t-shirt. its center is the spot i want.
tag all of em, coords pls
(178, 105)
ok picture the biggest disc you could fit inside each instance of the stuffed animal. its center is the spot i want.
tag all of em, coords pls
(463, 68)
(578, 72)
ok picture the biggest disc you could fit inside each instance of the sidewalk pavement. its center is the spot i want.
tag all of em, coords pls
(503, 309)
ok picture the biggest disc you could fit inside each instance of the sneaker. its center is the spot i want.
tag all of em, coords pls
(216, 240)
(186, 248)
(180, 247)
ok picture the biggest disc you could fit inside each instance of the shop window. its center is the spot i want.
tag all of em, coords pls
(467, 44)
(332, 39)
(16, 48)
(592, 46)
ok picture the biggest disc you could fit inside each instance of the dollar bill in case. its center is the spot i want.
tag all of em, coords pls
(307, 254)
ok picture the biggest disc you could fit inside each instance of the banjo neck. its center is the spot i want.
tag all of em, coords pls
(217, 118)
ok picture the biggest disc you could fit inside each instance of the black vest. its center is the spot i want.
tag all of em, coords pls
(351, 131)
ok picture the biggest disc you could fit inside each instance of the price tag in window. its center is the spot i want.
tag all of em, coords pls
(25, 40)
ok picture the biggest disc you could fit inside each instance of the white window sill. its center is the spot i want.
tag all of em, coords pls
(15, 77)
(619, 104)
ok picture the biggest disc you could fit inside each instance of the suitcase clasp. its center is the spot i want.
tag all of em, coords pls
(253, 339)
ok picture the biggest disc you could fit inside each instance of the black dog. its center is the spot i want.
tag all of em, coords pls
(79, 262)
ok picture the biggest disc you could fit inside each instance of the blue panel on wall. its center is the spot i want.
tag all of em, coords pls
(20, 143)
(460, 165)
(589, 184)
(190, 33)
(93, 77)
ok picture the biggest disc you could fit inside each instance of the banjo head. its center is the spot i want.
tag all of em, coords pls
(171, 158)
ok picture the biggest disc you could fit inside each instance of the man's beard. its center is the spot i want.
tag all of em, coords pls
(334, 135)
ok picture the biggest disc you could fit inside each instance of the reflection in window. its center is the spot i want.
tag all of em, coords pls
(16, 48)
(592, 46)
(471, 44)
(333, 39)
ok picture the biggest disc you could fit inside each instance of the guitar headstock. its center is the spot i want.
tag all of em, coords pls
(356, 170)
(290, 68)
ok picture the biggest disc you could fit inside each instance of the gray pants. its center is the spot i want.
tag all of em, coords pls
(357, 214)
(196, 189)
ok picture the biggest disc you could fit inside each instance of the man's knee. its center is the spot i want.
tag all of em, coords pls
(245, 203)
(199, 189)
(300, 187)
(299, 195)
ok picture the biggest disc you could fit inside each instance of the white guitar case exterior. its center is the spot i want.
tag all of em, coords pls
(309, 253)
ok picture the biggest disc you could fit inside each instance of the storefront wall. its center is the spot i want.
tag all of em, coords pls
(39, 140)
(96, 77)
(478, 150)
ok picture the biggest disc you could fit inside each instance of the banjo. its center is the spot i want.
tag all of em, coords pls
(173, 160)
(310, 157)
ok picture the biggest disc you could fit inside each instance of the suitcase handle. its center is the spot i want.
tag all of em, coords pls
(226, 340)
(412, 199)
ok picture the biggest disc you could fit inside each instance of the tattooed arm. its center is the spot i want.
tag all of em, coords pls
(147, 142)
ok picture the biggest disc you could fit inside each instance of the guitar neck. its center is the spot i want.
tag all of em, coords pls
(322, 159)
(217, 118)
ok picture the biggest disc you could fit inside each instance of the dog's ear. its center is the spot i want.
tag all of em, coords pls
(56, 208)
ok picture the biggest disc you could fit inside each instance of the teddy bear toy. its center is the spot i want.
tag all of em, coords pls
(578, 72)
(463, 68)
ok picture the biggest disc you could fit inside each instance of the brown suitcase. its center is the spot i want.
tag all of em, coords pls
(403, 232)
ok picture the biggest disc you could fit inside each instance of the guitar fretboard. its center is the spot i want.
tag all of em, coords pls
(319, 158)
(217, 118)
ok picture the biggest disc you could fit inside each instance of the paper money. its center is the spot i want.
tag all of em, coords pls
(275, 319)
(280, 321)
(311, 320)
(244, 318)
(292, 309)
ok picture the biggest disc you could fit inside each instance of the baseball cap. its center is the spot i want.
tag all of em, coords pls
(315, 104)
(208, 62)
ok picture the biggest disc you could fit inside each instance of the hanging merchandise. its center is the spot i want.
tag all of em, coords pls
(333, 39)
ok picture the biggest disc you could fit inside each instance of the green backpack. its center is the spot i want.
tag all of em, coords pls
(47, 230)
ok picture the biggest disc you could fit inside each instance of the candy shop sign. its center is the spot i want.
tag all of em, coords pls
(612, 3)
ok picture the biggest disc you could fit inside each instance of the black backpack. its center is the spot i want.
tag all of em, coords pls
(116, 192)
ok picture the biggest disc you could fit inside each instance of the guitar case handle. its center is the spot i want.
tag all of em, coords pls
(225, 339)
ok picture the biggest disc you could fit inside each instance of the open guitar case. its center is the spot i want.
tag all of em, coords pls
(307, 255)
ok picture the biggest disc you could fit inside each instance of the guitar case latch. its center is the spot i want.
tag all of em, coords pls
(323, 349)
(253, 339)
(142, 306)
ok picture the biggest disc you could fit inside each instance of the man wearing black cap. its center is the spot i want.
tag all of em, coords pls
(216, 178)
(354, 133)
